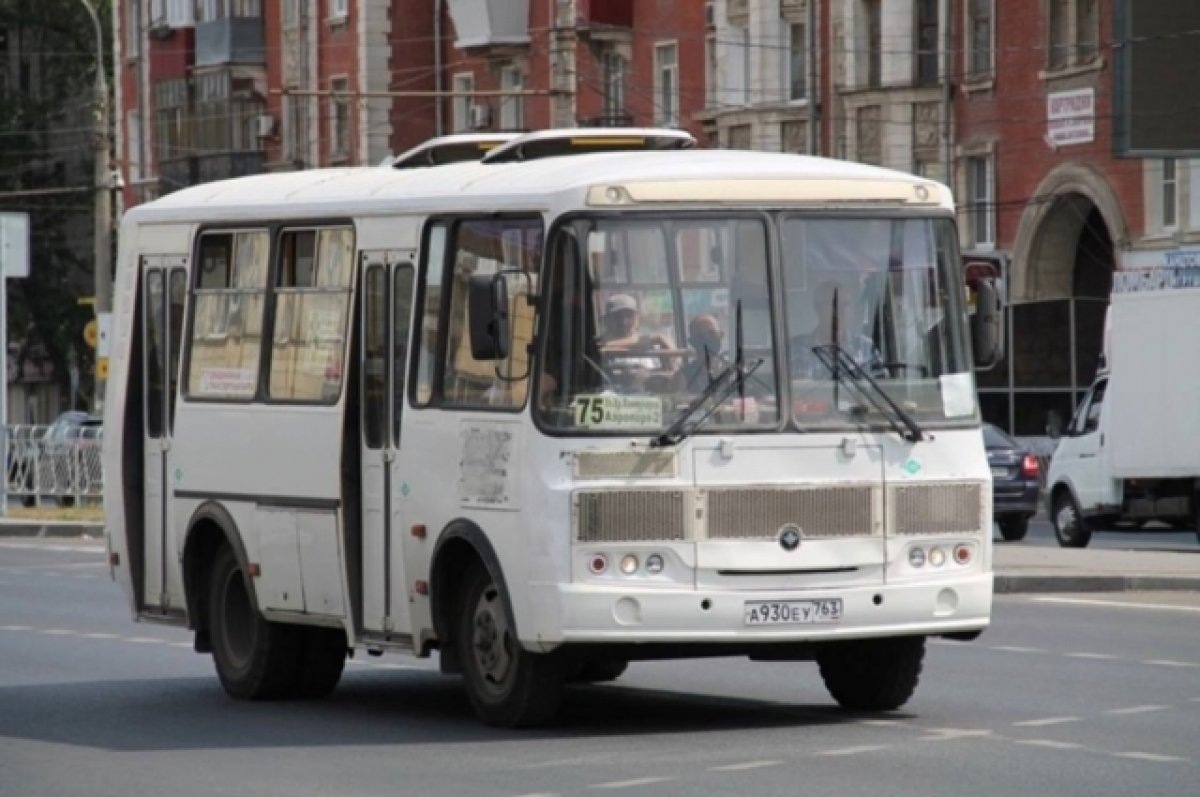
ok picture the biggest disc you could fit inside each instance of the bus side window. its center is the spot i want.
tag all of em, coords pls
(312, 309)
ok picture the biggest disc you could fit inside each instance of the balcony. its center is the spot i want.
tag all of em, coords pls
(195, 169)
(484, 23)
(232, 40)
(604, 13)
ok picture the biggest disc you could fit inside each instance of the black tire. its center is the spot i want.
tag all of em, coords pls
(255, 659)
(872, 674)
(1014, 528)
(508, 685)
(601, 670)
(1071, 529)
(322, 659)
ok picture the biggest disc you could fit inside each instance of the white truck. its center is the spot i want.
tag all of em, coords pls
(1132, 452)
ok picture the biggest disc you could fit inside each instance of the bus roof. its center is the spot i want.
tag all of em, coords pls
(678, 176)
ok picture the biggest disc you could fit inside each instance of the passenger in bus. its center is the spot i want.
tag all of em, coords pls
(834, 301)
(705, 361)
(627, 352)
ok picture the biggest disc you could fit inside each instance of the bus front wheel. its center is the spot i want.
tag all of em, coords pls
(872, 674)
(255, 659)
(508, 685)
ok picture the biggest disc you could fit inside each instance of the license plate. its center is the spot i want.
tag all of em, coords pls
(1000, 473)
(825, 610)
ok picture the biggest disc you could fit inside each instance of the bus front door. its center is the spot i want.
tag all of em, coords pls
(165, 286)
(387, 297)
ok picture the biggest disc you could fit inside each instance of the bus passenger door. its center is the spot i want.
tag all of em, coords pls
(386, 313)
(165, 286)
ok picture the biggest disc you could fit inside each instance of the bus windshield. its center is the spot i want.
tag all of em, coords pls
(646, 313)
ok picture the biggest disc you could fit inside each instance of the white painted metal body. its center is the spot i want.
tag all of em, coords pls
(230, 453)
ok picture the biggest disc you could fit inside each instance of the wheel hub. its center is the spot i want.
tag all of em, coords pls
(491, 641)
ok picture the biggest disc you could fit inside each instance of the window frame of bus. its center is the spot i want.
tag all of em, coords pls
(194, 276)
(769, 220)
(272, 228)
(451, 222)
(272, 314)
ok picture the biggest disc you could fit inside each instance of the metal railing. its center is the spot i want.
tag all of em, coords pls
(62, 467)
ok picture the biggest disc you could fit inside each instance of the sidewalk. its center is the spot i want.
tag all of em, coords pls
(1019, 567)
(1028, 568)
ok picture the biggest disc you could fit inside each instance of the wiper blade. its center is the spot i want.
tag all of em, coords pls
(720, 388)
(839, 362)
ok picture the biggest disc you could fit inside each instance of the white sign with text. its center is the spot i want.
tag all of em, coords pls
(1071, 117)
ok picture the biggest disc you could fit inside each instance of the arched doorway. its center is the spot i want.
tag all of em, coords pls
(1059, 287)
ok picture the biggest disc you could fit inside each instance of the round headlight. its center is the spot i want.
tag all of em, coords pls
(654, 564)
(629, 564)
(937, 557)
(916, 557)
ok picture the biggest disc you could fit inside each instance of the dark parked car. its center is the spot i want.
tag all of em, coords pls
(1015, 482)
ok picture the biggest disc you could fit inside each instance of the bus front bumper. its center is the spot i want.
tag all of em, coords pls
(614, 614)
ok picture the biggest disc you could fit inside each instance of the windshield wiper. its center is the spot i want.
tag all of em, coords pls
(729, 380)
(732, 377)
(840, 363)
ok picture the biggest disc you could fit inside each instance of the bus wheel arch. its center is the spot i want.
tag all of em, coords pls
(209, 529)
(461, 546)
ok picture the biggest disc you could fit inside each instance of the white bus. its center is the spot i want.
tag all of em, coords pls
(548, 413)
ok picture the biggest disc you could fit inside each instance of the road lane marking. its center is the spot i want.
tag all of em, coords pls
(1096, 656)
(1136, 709)
(744, 766)
(865, 748)
(1040, 723)
(1166, 607)
(1016, 649)
(99, 635)
(881, 723)
(67, 548)
(1170, 663)
(1157, 758)
(629, 784)
(57, 631)
(15, 628)
(1051, 743)
(952, 734)
(144, 640)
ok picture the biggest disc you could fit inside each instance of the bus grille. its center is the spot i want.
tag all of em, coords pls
(937, 509)
(631, 516)
(759, 513)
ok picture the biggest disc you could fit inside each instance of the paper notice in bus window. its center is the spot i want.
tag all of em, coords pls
(227, 381)
(958, 395)
(608, 411)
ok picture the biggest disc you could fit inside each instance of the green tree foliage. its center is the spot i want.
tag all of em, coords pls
(48, 60)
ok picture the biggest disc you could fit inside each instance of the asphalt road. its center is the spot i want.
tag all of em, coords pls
(1065, 695)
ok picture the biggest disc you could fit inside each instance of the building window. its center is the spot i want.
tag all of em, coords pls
(666, 70)
(339, 9)
(460, 108)
(212, 10)
(979, 38)
(927, 42)
(1074, 32)
(980, 216)
(870, 143)
(798, 63)
(740, 137)
(133, 29)
(170, 133)
(1170, 194)
(874, 40)
(512, 106)
(339, 143)
(793, 137)
(292, 13)
(225, 113)
(614, 86)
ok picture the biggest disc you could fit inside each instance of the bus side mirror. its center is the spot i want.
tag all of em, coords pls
(488, 308)
(987, 333)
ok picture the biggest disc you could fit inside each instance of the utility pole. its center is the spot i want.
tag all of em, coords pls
(103, 185)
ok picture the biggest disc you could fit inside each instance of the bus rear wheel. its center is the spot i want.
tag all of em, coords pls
(255, 659)
(508, 686)
(322, 659)
(872, 674)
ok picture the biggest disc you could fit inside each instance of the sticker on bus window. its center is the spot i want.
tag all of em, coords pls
(609, 411)
(227, 381)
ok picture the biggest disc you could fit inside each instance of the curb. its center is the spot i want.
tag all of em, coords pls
(1013, 584)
